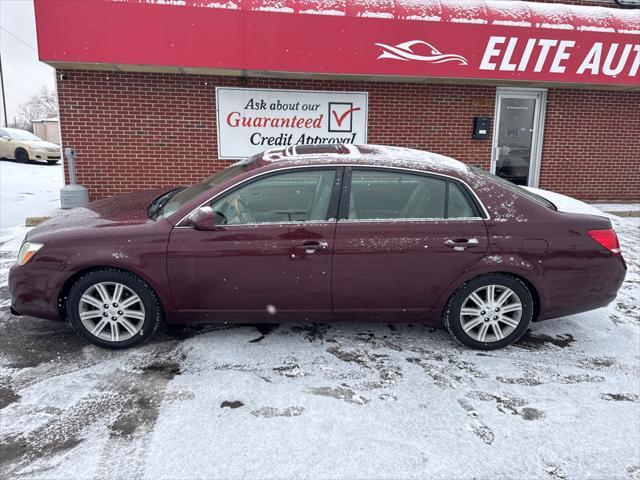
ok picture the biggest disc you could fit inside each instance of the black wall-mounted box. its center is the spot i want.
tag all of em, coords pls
(481, 128)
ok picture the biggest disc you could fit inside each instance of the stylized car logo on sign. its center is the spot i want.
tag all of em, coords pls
(405, 52)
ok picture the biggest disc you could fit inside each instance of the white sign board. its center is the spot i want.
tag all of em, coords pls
(253, 120)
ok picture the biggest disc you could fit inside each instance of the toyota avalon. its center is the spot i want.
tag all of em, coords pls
(330, 232)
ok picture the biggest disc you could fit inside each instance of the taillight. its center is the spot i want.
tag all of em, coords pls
(607, 238)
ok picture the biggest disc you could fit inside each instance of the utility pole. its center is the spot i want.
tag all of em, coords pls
(4, 99)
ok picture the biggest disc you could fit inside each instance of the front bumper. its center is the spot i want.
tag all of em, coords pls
(35, 291)
(45, 156)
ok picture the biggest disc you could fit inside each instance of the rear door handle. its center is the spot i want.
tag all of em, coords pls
(313, 246)
(462, 243)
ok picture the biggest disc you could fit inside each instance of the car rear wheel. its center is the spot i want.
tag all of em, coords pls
(113, 309)
(489, 312)
(21, 156)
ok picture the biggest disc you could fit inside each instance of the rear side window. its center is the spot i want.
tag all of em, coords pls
(458, 206)
(389, 195)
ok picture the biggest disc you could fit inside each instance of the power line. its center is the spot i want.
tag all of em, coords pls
(20, 40)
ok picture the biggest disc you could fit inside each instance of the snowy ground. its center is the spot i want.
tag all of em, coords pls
(317, 401)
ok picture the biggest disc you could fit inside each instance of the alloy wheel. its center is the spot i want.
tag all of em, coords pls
(111, 311)
(491, 313)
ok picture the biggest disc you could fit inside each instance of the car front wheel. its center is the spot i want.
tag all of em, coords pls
(21, 156)
(113, 309)
(489, 312)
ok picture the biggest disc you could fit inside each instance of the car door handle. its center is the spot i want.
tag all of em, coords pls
(313, 246)
(462, 243)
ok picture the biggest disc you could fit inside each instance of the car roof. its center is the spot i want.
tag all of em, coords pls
(366, 155)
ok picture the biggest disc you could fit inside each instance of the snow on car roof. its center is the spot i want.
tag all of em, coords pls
(366, 154)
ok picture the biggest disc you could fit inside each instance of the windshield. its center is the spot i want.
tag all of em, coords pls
(172, 201)
(514, 188)
(22, 135)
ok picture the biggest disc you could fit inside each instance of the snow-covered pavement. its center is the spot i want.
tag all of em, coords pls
(322, 401)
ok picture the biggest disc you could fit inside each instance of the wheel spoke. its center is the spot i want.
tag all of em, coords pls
(497, 331)
(504, 296)
(117, 292)
(133, 314)
(472, 324)
(482, 334)
(491, 293)
(90, 314)
(102, 291)
(86, 298)
(127, 325)
(508, 321)
(97, 330)
(470, 311)
(132, 300)
(477, 300)
(512, 307)
(115, 334)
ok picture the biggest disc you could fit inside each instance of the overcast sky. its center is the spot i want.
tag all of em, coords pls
(24, 75)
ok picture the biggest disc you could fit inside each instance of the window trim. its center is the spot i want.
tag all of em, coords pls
(474, 202)
(482, 210)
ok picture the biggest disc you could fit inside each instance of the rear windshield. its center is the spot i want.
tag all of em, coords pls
(514, 188)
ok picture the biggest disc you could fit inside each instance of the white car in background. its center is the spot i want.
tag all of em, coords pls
(24, 146)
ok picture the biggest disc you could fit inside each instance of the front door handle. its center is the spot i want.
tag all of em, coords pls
(462, 243)
(313, 246)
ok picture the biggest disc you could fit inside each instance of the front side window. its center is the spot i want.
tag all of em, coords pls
(302, 196)
(389, 195)
(172, 201)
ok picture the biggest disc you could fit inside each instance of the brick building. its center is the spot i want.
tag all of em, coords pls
(164, 93)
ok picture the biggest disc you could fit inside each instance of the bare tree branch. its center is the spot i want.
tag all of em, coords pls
(38, 106)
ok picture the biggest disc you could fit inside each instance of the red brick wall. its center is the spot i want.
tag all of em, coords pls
(591, 147)
(141, 130)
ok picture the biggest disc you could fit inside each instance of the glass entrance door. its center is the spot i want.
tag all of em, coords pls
(517, 135)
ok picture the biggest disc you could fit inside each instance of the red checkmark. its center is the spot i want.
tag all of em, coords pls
(340, 119)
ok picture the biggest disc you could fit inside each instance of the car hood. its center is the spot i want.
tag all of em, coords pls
(121, 210)
(566, 204)
(39, 144)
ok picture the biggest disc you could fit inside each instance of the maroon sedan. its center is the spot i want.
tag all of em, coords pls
(321, 233)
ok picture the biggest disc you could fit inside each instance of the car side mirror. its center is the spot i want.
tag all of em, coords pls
(205, 219)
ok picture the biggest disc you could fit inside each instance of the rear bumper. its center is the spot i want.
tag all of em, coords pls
(570, 292)
(35, 291)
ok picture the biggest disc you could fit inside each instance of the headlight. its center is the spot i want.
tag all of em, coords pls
(27, 251)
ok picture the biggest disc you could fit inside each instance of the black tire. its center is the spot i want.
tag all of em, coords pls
(21, 155)
(52, 162)
(153, 312)
(452, 318)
